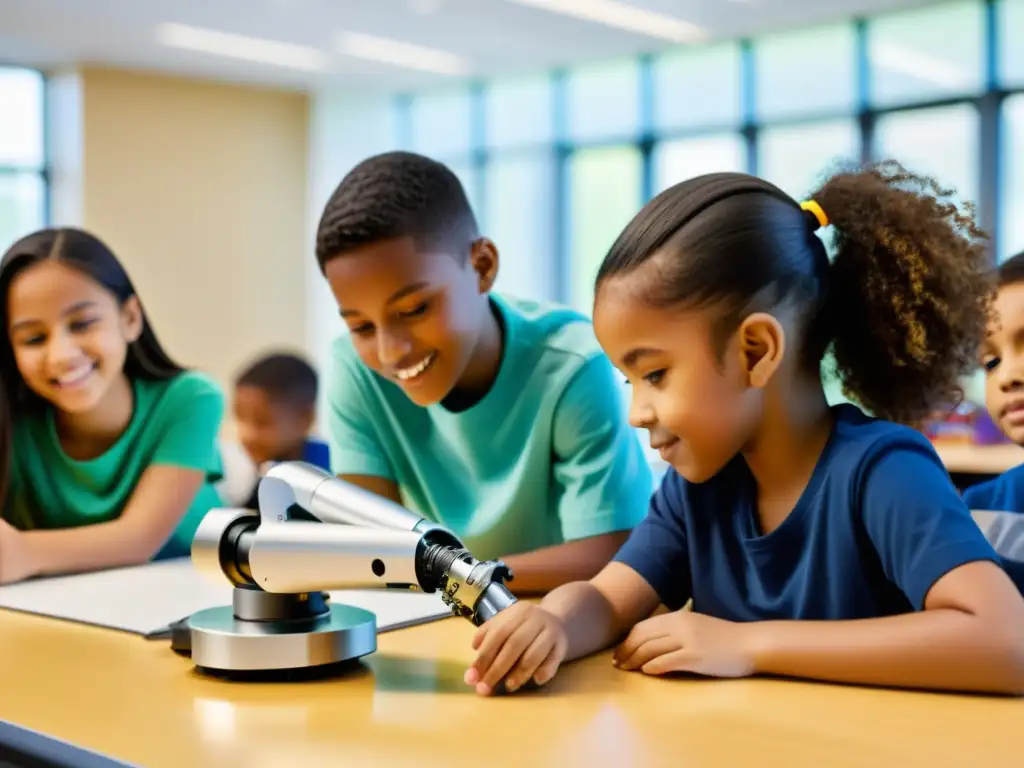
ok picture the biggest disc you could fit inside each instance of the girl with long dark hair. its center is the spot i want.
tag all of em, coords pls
(107, 446)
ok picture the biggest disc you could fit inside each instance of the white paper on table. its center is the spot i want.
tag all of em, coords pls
(145, 599)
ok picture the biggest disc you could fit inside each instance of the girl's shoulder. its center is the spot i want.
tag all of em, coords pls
(195, 383)
(858, 432)
(864, 448)
(187, 389)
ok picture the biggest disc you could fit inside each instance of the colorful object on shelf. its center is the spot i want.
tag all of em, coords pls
(967, 424)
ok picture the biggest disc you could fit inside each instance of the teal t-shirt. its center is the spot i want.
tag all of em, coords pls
(176, 422)
(544, 458)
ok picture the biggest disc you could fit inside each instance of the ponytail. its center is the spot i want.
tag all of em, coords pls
(902, 305)
(908, 290)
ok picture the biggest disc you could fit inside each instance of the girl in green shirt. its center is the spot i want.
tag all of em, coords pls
(108, 449)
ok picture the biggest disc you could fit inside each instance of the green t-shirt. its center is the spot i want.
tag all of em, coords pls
(544, 458)
(176, 422)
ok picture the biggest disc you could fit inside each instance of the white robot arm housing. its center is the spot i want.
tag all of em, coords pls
(317, 533)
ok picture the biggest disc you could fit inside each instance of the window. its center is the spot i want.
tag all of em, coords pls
(698, 88)
(807, 72)
(796, 158)
(520, 217)
(22, 155)
(676, 161)
(604, 190)
(342, 132)
(1011, 236)
(442, 124)
(940, 142)
(467, 173)
(1011, 52)
(519, 112)
(927, 53)
(604, 102)
(22, 206)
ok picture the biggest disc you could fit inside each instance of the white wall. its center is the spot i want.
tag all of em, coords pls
(201, 189)
(65, 147)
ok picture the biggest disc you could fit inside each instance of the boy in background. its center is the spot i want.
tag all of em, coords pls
(1003, 360)
(495, 417)
(275, 410)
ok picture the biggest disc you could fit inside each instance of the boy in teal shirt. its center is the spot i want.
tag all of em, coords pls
(496, 417)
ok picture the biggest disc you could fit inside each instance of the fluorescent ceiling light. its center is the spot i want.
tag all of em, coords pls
(245, 48)
(616, 14)
(920, 66)
(401, 54)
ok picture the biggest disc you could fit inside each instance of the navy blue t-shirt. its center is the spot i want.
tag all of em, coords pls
(1001, 494)
(1004, 495)
(878, 524)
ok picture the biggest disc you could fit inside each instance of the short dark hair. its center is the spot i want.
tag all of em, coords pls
(902, 304)
(397, 194)
(1011, 271)
(286, 378)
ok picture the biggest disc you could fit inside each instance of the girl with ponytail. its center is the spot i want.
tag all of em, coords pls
(813, 541)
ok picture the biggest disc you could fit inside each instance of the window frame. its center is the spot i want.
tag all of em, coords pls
(44, 171)
(866, 114)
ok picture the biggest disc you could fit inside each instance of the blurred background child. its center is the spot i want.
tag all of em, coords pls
(1002, 357)
(275, 410)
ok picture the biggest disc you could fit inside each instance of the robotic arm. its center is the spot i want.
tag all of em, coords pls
(280, 563)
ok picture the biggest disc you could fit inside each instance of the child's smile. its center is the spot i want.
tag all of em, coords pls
(690, 401)
(416, 318)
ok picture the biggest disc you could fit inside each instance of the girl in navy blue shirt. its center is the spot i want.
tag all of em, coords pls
(813, 541)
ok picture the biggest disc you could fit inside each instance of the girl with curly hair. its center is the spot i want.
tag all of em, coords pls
(813, 541)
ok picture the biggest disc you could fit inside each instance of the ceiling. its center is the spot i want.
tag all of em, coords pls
(327, 41)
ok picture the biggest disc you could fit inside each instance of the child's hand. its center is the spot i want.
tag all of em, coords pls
(688, 642)
(14, 565)
(521, 643)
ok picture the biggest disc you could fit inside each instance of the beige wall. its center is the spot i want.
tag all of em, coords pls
(201, 189)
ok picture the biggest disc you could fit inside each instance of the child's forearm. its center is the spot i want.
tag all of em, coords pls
(88, 548)
(589, 620)
(941, 649)
(540, 571)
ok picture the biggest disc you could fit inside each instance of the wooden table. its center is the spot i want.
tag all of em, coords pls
(136, 701)
(980, 459)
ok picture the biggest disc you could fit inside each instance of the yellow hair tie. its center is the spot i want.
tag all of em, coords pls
(817, 210)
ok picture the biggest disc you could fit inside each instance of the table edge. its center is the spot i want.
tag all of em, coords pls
(39, 749)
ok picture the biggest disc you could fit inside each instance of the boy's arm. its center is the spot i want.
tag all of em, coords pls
(536, 572)
(381, 486)
(540, 571)
(604, 483)
(968, 629)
